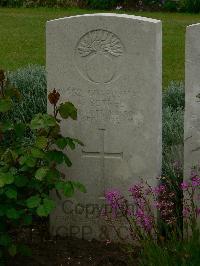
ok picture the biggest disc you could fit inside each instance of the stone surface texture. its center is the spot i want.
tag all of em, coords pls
(110, 67)
(192, 100)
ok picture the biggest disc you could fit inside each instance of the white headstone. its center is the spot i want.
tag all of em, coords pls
(192, 100)
(109, 67)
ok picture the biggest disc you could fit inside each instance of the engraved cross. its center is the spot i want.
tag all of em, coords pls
(102, 155)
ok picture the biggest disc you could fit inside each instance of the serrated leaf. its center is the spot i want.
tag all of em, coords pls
(41, 142)
(42, 121)
(5, 105)
(33, 201)
(41, 173)
(63, 142)
(67, 110)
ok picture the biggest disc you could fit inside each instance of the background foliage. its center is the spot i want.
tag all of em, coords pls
(31, 82)
(168, 5)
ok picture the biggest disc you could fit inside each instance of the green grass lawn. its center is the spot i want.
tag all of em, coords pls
(22, 37)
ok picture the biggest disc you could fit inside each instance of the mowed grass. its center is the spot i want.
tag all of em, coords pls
(22, 37)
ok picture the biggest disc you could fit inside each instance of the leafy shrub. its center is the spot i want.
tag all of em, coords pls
(28, 170)
(173, 138)
(170, 5)
(174, 96)
(102, 4)
(31, 83)
(37, 3)
(192, 6)
(173, 121)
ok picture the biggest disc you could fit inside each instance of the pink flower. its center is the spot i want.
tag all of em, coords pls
(186, 212)
(185, 185)
(144, 220)
(193, 174)
(159, 189)
(198, 211)
(196, 181)
(112, 198)
(136, 191)
(116, 201)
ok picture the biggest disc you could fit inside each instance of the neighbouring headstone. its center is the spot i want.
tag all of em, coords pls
(109, 66)
(192, 101)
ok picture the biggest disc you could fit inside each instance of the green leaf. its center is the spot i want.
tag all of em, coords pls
(79, 186)
(12, 213)
(71, 143)
(20, 130)
(37, 153)
(59, 185)
(41, 211)
(5, 240)
(27, 160)
(21, 181)
(6, 179)
(67, 110)
(3, 209)
(5, 105)
(2, 183)
(67, 160)
(49, 204)
(53, 175)
(41, 142)
(68, 189)
(42, 121)
(24, 250)
(33, 201)
(27, 219)
(56, 156)
(11, 193)
(46, 208)
(78, 142)
(12, 250)
(9, 178)
(41, 173)
(61, 143)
